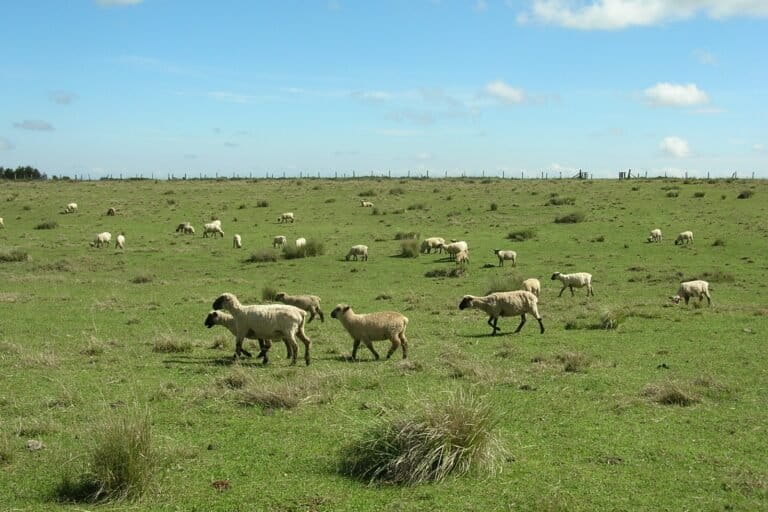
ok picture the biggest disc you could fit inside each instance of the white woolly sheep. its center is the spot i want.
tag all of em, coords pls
(102, 240)
(120, 241)
(655, 236)
(455, 248)
(285, 217)
(213, 228)
(309, 303)
(462, 258)
(267, 322)
(2, 224)
(696, 289)
(506, 255)
(500, 304)
(301, 242)
(279, 241)
(532, 285)
(367, 328)
(224, 319)
(366, 204)
(237, 242)
(576, 280)
(434, 242)
(684, 238)
(185, 228)
(70, 208)
(358, 251)
(111, 212)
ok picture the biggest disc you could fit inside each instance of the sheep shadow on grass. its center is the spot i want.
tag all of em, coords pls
(215, 361)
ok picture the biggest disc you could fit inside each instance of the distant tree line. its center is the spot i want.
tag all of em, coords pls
(22, 173)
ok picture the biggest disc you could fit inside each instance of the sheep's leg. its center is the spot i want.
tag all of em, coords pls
(562, 290)
(264, 346)
(501, 262)
(393, 346)
(293, 347)
(541, 324)
(709, 300)
(322, 318)
(574, 293)
(369, 344)
(311, 315)
(238, 347)
(355, 346)
(493, 322)
(307, 344)
(686, 299)
(522, 323)
(404, 344)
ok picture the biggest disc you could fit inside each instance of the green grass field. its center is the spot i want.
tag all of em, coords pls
(583, 413)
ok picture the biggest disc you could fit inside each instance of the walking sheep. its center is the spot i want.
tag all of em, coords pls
(500, 304)
(185, 228)
(102, 240)
(366, 204)
(655, 236)
(120, 241)
(685, 237)
(367, 328)
(285, 217)
(214, 228)
(532, 285)
(576, 280)
(455, 248)
(237, 242)
(696, 289)
(300, 242)
(309, 303)
(506, 255)
(111, 212)
(2, 224)
(279, 241)
(462, 258)
(224, 319)
(435, 243)
(358, 250)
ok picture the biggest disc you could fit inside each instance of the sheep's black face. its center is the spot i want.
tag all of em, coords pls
(280, 296)
(338, 310)
(218, 303)
(211, 319)
(554, 276)
(465, 303)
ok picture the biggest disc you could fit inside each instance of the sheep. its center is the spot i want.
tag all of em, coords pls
(279, 241)
(285, 217)
(506, 255)
(357, 250)
(309, 303)
(102, 240)
(655, 236)
(455, 248)
(366, 204)
(213, 227)
(462, 258)
(111, 212)
(2, 224)
(499, 304)
(71, 208)
(684, 238)
(237, 242)
(577, 280)
(224, 319)
(434, 242)
(532, 285)
(267, 322)
(301, 242)
(185, 228)
(120, 241)
(371, 327)
(688, 289)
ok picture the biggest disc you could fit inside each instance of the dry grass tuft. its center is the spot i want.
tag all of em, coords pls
(574, 361)
(167, 344)
(670, 393)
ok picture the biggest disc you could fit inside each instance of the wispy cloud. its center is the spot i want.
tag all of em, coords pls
(34, 125)
(5, 144)
(118, 3)
(504, 93)
(675, 147)
(675, 95)
(62, 97)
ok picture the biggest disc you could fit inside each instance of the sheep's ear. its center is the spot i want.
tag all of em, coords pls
(345, 309)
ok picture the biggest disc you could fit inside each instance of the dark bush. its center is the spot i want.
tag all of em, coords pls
(571, 218)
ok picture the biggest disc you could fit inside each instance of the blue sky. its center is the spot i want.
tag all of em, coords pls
(102, 87)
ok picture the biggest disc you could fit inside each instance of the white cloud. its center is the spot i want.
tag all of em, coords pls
(619, 14)
(676, 95)
(34, 125)
(5, 144)
(504, 93)
(675, 146)
(62, 97)
(117, 3)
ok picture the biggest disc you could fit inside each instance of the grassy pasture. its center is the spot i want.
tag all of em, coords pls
(668, 410)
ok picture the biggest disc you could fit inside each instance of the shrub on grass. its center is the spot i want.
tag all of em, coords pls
(417, 206)
(670, 393)
(262, 256)
(14, 255)
(574, 361)
(673, 193)
(451, 437)
(560, 201)
(612, 318)
(506, 283)
(409, 249)
(310, 249)
(6, 450)
(268, 293)
(397, 191)
(494, 207)
(745, 194)
(263, 203)
(699, 194)
(718, 243)
(407, 235)
(330, 200)
(571, 218)
(49, 224)
(522, 235)
(142, 278)
(367, 193)
(441, 272)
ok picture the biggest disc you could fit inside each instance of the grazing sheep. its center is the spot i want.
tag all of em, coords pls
(71, 208)
(237, 242)
(120, 241)
(655, 236)
(577, 280)
(309, 303)
(366, 204)
(267, 322)
(111, 212)
(185, 228)
(685, 237)
(213, 228)
(506, 255)
(301, 242)
(218, 317)
(285, 217)
(367, 328)
(499, 304)
(2, 224)
(455, 248)
(358, 250)
(434, 242)
(462, 258)
(279, 241)
(697, 288)
(102, 240)
(532, 285)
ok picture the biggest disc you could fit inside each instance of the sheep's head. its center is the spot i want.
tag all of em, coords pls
(496, 251)
(212, 319)
(555, 275)
(466, 302)
(339, 310)
(225, 301)
(280, 296)
(675, 299)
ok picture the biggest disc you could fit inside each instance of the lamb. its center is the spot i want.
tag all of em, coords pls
(358, 250)
(102, 240)
(301, 242)
(120, 241)
(185, 228)
(684, 238)
(434, 242)
(309, 303)
(499, 304)
(455, 248)
(506, 255)
(285, 217)
(224, 319)
(237, 242)
(267, 322)
(366, 204)
(371, 327)
(532, 285)
(655, 236)
(577, 280)
(279, 241)
(214, 228)
(697, 288)
(111, 212)
(71, 208)
(462, 258)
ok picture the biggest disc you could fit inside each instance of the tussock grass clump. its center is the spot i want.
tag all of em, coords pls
(6, 450)
(670, 393)
(268, 293)
(699, 194)
(13, 256)
(237, 378)
(522, 235)
(288, 394)
(506, 283)
(611, 318)
(262, 256)
(409, 249)
(407, 235)
(397, 191)
(367, 193)
(494, 207)
(745, 194)
(263, 203)
(417, 206)
(574, 361)
(330, 200)
(142, 279)
(560, 201)
(441, 272)
(717, 276)
(167, 344)
(49, 224)
(94, 347)
(571, 218)
(120, 466)
(451, 437)
(673, 193)
(718, 243)
(310, 249)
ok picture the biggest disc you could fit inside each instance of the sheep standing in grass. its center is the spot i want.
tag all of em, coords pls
(696, 289)
(434, 242)
(285, 217)
(455, 248)
(500, 304)
(506, 255)
(309, 303)
(71, 208)
(367, 328)
(301, 242)
(120, 241)
(576, 280)
(686, 237)
(2, 224)
(266, 322)
(532, 285)
(237, 242)
(366, 204)
(185, 228)
(102, 240)
(218, 317)
(213, 228)
(278, 241)
(655, 236)
(356, 251)
(111, 212)
(462, 258)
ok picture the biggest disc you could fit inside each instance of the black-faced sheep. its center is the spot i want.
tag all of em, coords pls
(356, 251)
(575, 280)
(500, 304)
(367, 328)
(696, 289)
